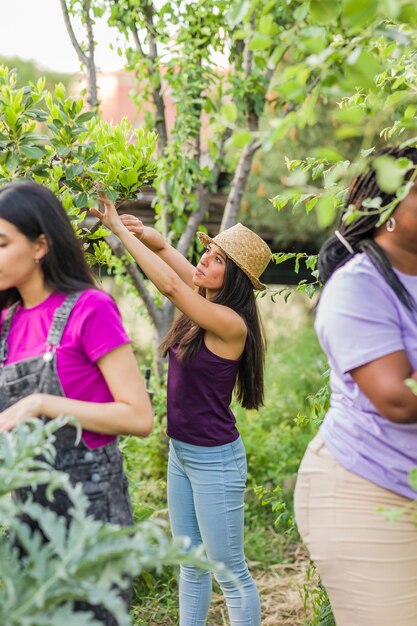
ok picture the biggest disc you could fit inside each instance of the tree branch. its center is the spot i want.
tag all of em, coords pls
(195, 219)
(204, 195)
(238, 186)
(154, 71)
(91, 67)
(168, 311)
(138, 280)
(81, 56)
(243, 169)
(87, 60)
(136, 39)
(252, 119)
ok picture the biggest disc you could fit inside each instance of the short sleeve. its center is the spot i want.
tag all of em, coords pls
(99, 324)
(358, 320)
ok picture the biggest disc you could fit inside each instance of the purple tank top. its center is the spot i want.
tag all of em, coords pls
(199, 396)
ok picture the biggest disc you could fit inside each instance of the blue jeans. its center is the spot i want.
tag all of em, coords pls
(205, 500)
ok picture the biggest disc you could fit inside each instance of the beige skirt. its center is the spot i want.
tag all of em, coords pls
(367, 563)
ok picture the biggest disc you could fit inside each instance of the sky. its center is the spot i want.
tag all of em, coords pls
(35, 29)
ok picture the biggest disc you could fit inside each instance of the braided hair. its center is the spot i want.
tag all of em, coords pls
(360, 233)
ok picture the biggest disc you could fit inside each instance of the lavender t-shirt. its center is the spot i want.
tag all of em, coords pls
(94, 328)
(360, 319)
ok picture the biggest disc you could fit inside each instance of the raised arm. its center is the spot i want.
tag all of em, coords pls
(220, 320)
(155, 242)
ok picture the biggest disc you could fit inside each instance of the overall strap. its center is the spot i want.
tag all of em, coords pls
(4, 347)
(59, 321)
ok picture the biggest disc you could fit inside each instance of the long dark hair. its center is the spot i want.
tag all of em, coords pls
(360, 233)
(34, 210)
(236, 293)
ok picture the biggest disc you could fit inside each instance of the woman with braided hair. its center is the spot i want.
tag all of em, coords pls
(357, 466)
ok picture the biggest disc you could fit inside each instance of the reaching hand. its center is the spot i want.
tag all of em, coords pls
(133, 225)
(116, 223)
(109, 218)
(147, 235)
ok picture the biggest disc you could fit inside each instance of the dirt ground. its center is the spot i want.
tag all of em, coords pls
(281, 591)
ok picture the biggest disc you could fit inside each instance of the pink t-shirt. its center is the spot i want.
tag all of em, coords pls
(94, 328)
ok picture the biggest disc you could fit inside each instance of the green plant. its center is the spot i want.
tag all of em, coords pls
(76, 151)
(316, 600)
(63, 564)
(367, 83)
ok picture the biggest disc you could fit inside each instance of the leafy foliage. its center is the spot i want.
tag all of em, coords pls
(365, 55)
(75, 152)
(316, 599)
(61, 565)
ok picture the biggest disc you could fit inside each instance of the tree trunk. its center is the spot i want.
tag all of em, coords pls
(91, 65)
(88, 61)
(161, 317)
(238, 185)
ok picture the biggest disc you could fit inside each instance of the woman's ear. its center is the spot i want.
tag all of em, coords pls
(42, 246)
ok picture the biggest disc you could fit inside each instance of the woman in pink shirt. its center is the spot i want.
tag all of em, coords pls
(64, 351)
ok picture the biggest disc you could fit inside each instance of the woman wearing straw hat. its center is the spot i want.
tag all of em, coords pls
(214, 347)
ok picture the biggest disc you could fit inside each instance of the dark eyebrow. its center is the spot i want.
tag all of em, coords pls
(219, 252)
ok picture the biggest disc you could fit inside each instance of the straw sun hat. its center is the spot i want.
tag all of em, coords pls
(245, 248)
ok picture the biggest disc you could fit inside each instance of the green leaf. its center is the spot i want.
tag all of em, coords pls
(229, 112)
(314, 39)
(260, 42)
(329, 154)
(392, 515)
(357, 13)
(310, 204)
(60, 91)
(301, 12)
(326, 211)
(63, 151)
(351, 115)
(276, 56)
(350, 216)
(12, 161)
(366, 153)
(81, 200)
(99, 233)
(412, 477)
(408, 14)
(410, 111)
(324, 11)
(411, 384)
(128, 178)
(396, 98)
(73, 170)
(85, 117)
(390, 172)
(237, 12)
(32, 152)
(241, 138)
(362, 68)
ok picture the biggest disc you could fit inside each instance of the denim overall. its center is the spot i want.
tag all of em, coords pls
(99, 470)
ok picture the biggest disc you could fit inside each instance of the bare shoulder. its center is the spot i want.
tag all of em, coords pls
(233, 346)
